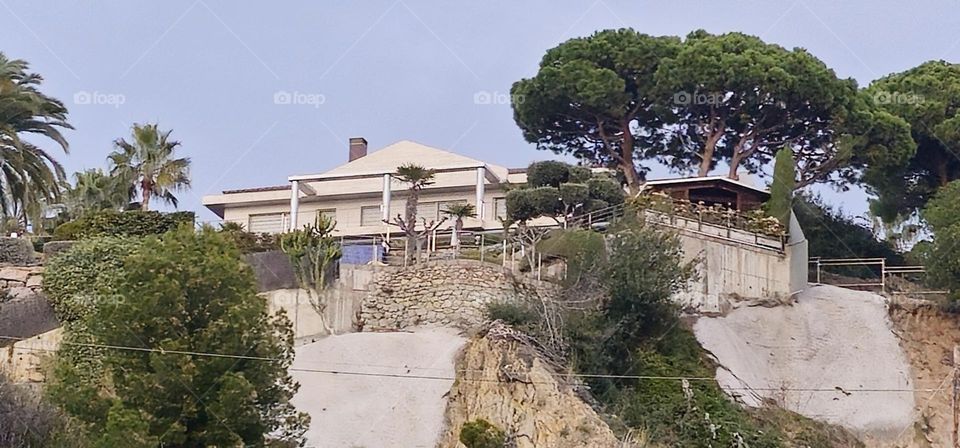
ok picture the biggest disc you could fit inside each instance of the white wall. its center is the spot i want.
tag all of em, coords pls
(728, 271)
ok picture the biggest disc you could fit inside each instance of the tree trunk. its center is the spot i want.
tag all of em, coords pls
(411, 223)
(627, 165)
(734, 165)
(146, 190)
(455, 240)
(707, 154)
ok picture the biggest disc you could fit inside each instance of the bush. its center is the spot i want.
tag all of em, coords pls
(127, 223)
(28, 421)
(184, 217)
(511, 313)
(548, 173)
(79, 278)
(186, 291)
(249, 242)
(68, 231)
(580, 174)
(482, 434)
(606, 189)
(575, 194)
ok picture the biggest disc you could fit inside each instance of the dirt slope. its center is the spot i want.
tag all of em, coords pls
(928, 337)
(832, 356)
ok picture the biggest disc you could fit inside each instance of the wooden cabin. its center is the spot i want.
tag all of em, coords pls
(712, 190)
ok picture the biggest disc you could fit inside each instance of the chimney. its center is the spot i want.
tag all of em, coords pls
(358, 148)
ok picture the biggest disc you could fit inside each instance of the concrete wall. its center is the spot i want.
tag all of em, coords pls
(342, 299)
(732, 266)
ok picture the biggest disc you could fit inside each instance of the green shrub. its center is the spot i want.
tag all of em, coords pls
(126, 223)
(184, 217)
(68, 231)
(85, 275)
(606, 189)
(249, 242)
(522, 205)
(512, 313)
(482, 434)
(573, 195)
(548, 173)
(187, 291)
(580, 174)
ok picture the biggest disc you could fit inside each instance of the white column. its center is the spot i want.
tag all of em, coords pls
(294, 203)
(385, 202)
(481, 180)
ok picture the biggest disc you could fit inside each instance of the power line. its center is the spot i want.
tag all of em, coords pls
(463, 371)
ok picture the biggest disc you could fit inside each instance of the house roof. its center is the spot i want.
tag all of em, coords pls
(688, 180)
(258, 189)
(388, 159)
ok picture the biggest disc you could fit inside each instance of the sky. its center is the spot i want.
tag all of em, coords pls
(258, 91)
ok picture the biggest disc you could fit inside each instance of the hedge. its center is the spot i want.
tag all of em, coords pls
(77, 279)
(127, 223)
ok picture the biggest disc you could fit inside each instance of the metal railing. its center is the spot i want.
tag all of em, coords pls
(884, 273)
(694, 218)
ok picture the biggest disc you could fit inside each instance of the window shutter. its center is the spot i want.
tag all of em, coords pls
(266, 223)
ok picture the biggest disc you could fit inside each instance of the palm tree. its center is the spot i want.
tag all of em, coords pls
(148, 167)
(418, 177)
(29, 175)
(459, 211)
(94, 190)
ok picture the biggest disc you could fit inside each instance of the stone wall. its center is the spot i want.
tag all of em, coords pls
(17, 251)
(448, 293)
(24, 310)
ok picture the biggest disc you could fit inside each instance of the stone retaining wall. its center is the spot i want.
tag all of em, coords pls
(449, 293)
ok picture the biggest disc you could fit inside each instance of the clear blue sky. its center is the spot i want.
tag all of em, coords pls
(384, 70)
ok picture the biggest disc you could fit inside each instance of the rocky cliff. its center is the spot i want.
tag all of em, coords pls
(505, 379)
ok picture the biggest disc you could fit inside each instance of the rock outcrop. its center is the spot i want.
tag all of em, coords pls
(505, 379)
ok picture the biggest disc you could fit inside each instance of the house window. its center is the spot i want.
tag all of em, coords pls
(428, 210)
(500, 208)
(267, 223)
(370, 216)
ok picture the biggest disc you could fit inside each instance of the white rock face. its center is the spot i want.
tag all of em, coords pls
(831, 356)
(354, 408)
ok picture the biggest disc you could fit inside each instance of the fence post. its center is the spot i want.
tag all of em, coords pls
(883, 275)
(956, 398)
(818, 272)
(482, 242)
(503, 254)
(539, 266)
